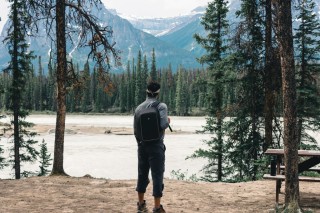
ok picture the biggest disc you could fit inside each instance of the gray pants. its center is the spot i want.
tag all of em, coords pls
(151, 156)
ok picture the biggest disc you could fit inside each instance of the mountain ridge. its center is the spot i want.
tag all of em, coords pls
(129, 40)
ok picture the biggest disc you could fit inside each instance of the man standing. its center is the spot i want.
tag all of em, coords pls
(151, 154)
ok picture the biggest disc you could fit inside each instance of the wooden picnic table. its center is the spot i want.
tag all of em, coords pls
(309, 153)
(312, 159)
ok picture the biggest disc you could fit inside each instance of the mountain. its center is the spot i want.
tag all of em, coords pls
(161, 26)
(178, 31)
(182, 36)
(129, 40)
(171, 37)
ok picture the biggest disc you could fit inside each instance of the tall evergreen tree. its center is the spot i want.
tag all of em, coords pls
(307, 51)
(123, 94)
(153, 69)
(181, 94)
(129, 87)
(40, 80)
(77, 13)
(85, 99)
(290, 139)
(93, 91)
(19, 66)
(269, 70)
(139, 92)
(172, 89)
(216, 25)
(51, 86)
(99, 98)
(246, 139)
(164, 94)
(133, 84)
(145, 72)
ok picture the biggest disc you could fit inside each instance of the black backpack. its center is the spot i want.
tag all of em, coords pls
(147, 124)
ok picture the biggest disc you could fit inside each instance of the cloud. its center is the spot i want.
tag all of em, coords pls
(154, 8)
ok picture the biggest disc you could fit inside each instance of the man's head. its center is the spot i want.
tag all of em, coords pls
(153, 89)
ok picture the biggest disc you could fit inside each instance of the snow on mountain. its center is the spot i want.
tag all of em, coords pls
(128, 39)
(162, 26)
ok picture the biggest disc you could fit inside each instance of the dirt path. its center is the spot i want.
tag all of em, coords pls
(86, 194)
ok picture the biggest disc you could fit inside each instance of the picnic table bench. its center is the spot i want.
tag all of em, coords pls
(313, 159)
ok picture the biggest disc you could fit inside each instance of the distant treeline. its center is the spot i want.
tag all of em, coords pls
(186, 92)
(182, 91)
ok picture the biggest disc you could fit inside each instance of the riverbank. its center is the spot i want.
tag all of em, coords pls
(101, 124)
(87, 194)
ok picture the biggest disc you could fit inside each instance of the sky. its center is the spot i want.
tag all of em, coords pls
(136, 8)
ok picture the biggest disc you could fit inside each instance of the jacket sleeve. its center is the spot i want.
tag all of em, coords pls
(163, 111)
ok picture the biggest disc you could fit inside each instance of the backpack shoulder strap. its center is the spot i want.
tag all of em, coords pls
(155, 104)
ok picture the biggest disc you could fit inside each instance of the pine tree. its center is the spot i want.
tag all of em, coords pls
(181, 94)
(85, 87)
(123, 94)
(19, 66)
(290, 139)
(129, 88)
(172, 89)
(45, 159)
(99, 96)
(100, 50)
(246, 139)
(215, 23)
(269, 73)
(28, 152)
(139, 92)
(133, 84)
(153, 72)
(40, 85)
(145, 72)
(308, 49)
(28, 100)
(164, 94)
(93, 91)
(51, 86)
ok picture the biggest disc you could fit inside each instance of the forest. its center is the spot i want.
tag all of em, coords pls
(117, 95)
(258, 73)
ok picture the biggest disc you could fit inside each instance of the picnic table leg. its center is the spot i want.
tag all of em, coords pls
(278, 183)
(278, 186)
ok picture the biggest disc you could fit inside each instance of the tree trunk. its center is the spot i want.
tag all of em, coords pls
(220, 142)
(16, 93)
(61, 83)
(285, 40)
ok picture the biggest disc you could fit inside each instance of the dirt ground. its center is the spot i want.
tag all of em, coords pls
(88, 194)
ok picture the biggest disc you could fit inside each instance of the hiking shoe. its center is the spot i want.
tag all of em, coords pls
(159, 210)
(142, 208)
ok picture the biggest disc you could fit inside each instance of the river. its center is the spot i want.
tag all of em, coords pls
(115, 156)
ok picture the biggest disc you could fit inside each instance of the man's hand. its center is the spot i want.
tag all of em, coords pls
(168, 120)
